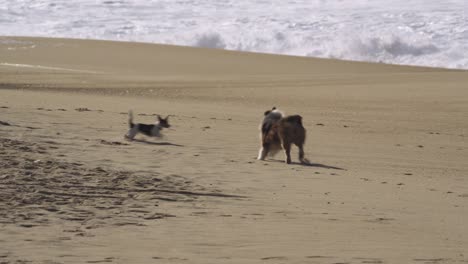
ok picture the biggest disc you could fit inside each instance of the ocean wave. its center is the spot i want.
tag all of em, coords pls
(407, 32)
(392, 46)
(387, 48)
(209, 40)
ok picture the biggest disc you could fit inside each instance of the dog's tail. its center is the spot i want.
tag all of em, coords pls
(130, 119)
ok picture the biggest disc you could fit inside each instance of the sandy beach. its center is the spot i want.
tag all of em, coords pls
(388, 148)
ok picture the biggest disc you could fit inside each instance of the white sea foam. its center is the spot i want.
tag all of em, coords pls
(414, 32)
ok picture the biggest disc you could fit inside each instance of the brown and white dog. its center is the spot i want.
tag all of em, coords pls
(280, 132)
(152, 130)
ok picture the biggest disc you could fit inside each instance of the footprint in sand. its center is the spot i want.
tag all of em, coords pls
(370, 260)
(176, 259)
(380, 220)
(225, 215)
(431, 260)
(318, 257)
(105, 142)
(274, 258)
(106, 260)
(82, 109)
(44, 109)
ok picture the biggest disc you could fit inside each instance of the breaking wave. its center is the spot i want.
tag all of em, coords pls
(421, 33)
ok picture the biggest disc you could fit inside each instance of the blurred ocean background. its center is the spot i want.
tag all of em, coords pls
(412, 32)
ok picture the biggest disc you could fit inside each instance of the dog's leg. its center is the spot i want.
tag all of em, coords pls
(287, 151)
(301, 153)
(132, 133)
(263, 152)
(261, 156)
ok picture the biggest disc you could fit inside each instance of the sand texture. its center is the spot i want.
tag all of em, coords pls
(387, 182)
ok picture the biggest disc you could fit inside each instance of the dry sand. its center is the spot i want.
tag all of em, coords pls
(388, 181)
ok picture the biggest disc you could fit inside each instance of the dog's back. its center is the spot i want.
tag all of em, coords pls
(290, 129)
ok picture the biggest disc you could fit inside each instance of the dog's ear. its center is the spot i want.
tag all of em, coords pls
(159, 117)
(274, 108)
(267, 112)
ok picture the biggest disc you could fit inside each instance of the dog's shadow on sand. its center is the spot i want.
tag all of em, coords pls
(318, 165)
(311, 164)
(156, 143)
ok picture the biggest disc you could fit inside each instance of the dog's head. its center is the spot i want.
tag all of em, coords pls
(163, 122)
(269, 111)
(274, 113)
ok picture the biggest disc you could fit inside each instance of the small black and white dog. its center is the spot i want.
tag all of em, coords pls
(153, 130)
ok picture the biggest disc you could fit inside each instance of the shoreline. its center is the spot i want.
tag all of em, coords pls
(161, 45)
(11, 37)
